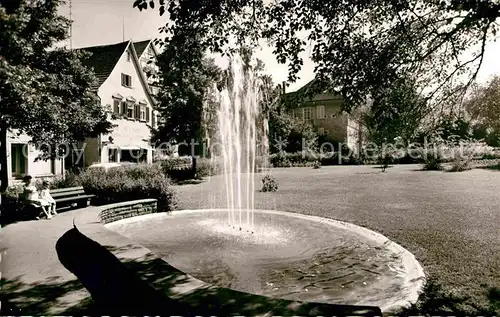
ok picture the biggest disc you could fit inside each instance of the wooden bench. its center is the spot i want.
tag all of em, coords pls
(69, 197)
(65, 198)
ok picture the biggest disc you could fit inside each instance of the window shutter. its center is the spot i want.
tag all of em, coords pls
(147, 114)
(153, 121)
(124, 107)
(116, 108)
(137, 111)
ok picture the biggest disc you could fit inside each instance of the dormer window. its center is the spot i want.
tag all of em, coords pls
(126, 81)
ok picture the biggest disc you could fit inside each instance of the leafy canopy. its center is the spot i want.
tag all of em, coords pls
(359, 46)
(45, 92)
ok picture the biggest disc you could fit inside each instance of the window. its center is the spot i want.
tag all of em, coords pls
(128, 56)
(113, 155)
(143, 113)
(116, 106)
(321, 131)
(307, 113)
(320, 112)
(126, 81)
(130, 110)
(123, 108)
(19, 159)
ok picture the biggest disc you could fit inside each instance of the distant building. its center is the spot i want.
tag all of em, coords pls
(122, 70)
(323, 111)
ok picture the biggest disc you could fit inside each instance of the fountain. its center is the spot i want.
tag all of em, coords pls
(237, 119)
(268, 252)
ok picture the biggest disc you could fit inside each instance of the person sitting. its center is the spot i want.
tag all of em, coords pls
(31, 196)
(47, 198)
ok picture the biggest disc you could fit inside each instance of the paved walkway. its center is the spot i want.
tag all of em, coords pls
(32, 276)
(34, 280)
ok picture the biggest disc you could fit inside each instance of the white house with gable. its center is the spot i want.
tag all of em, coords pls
(124, 87)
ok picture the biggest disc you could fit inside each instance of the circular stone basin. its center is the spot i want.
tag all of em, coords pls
(283, 255)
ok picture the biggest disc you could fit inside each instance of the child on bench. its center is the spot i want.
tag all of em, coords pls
(47, 198)
(32, 197)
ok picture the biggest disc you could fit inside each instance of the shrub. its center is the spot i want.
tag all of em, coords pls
(433, 162)
(269, 184)
(316, 165)
(178, 168)
(10, 205)
(70, 179)
(132, 182)
(460, 165)
(208, 167)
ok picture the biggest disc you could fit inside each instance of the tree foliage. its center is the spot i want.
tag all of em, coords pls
(45, 92)
(183, 84)
(359, 47)
(483, 108)
(394, 113)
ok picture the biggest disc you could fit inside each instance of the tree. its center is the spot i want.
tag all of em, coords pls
(46, 93)
(358, 46)
(483, 108)
(395, 113)
(183, 92)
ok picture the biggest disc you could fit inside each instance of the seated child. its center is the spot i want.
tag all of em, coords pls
(47, 198)
(31, 195)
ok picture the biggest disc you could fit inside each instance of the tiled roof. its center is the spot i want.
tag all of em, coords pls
(103, 59)
(140, 47)
(306, 94)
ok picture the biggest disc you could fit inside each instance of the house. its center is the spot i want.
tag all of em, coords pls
(22, 159)
(123, 86)
(126, 89)
(323, 111)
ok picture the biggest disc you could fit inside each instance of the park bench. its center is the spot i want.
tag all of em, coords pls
(65, 198)
(69, 197)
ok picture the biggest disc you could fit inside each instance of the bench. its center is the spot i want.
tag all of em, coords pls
(65, 198)
(69, 197)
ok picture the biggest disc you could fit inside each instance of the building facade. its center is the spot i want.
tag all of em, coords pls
(126, 90)
(323, 111)
(23, 159)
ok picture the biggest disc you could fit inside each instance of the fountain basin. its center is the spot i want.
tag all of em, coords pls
(283, 255)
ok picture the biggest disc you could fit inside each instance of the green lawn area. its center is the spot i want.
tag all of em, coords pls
(450, 221)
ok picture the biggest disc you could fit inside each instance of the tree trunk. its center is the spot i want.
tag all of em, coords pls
(3, 160)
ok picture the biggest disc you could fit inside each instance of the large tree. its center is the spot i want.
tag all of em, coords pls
(45, 92)
(184, 87)
(483, 108)
(359, 46)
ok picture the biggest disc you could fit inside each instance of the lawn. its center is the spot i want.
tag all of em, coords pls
(450, 221)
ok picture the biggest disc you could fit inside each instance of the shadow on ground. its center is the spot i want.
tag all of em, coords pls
(18, 298)
(434, 301)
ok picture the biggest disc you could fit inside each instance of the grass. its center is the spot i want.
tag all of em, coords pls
(450, 221)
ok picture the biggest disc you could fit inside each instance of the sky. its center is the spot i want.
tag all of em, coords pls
(101, 22)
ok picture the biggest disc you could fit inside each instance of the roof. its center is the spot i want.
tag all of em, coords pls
(105, 57)
(140, 47)
(307, 94)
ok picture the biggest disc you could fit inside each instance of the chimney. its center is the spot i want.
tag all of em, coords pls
(283, 88)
